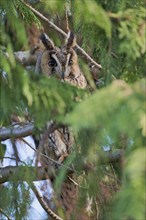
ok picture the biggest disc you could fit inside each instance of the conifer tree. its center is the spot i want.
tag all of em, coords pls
(111, 114)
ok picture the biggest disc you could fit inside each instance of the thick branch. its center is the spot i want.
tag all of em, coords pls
(24, 173)
(16, 132)
(23, 130)
(52, 25)
(104, 158)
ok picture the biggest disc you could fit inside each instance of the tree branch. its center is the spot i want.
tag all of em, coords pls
(104, 158)
(52, 25)
(1, 210)
(23, 173)
(49, 158)
(111, 157)
(16, 132)
(43, 203)
(23, 130)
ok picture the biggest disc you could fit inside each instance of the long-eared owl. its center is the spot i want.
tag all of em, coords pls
(62, 62)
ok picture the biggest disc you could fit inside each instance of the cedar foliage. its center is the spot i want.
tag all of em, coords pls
(114, 115)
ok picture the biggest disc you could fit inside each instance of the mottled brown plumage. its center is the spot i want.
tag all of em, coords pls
(62, 62)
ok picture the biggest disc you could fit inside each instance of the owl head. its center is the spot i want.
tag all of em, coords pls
(61, 61)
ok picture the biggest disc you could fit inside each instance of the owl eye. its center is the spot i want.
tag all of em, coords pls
(52, 63)
(71, 62)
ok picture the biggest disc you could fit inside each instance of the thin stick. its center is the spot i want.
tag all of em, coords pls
(43, 203)
(66, 16)
(54, 161)
(11, 158)
(52, 25)
(1, 210)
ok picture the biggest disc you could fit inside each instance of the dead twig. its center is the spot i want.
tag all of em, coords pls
(49, 158)
(1, 210)
(11, 158)
(43, 203)
(52, 25)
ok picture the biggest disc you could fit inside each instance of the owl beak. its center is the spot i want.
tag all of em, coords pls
(63, 72)
(62, 75)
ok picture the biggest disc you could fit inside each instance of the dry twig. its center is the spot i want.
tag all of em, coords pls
(43, 203)
(52, 25)
(1, 210)
(49, 158)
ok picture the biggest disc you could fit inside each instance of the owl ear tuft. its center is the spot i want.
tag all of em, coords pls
(71, 40)
(47, 42)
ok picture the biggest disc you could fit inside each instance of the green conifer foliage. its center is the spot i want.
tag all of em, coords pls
(114, 114)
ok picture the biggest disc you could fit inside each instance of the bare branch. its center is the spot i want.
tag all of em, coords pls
(111, 157)
(11, 158)
(43, 203)
(105, 158)
(49, 158)
(23, 130)
(52, 25)
(16, 132)
(24, 173)
(1, 210)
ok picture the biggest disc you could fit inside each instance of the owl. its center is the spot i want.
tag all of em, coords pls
(63, 63)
